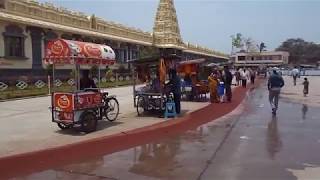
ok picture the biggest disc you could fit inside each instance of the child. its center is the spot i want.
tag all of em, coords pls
(305, 87)
(221, 91)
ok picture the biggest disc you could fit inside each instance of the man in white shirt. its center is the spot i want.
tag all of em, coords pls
(245, 75)
(295, 74)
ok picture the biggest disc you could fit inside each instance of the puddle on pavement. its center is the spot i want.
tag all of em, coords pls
(167, 158)
(184, 156)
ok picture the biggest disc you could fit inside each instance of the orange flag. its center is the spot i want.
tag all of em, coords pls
(162, 71)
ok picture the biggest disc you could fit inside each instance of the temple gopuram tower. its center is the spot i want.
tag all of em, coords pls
(166, 32)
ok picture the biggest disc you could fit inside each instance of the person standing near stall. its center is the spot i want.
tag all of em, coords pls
(213, 88)
(227, 77)
(85, 81)
(175, 84)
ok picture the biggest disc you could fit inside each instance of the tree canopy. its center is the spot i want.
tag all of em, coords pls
(301, 51)
(245, 44)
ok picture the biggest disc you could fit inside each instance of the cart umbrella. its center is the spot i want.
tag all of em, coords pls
(61, 51)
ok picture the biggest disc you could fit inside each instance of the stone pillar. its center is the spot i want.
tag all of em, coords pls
(36, 41)
(129, 52)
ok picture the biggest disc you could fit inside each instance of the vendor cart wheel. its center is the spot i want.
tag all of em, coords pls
(88, 122)
(140, 105)
(113, 109)
(63, 126)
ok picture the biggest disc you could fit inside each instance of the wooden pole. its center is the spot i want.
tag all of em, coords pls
(49, 85)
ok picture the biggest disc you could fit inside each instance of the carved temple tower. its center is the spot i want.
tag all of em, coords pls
(166, 30)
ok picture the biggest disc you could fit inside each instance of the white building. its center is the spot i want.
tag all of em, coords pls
(272, 58)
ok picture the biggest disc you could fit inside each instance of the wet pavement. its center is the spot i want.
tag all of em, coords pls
(248, 143)
(26, 124)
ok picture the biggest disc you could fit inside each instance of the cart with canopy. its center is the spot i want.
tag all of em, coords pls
(191, 85)
(80, 107)
(153, 72)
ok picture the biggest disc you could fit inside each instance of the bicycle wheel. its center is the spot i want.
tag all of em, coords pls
(140, 105)
(112, 111)
(64, 126)
(88, 122)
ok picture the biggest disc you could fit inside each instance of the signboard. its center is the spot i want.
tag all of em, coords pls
(89, 100)
(64, 102)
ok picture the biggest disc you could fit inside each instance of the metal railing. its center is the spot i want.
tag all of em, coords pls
(308, 72)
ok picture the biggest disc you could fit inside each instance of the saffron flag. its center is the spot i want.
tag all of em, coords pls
(162, 71)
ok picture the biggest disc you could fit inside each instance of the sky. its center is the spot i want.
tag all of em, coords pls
(210, 23)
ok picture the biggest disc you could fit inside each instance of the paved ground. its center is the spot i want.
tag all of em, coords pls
(247, 144)
(26, 124)
(262, 146)
(294, 93)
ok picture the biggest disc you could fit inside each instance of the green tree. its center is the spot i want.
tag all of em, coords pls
(301, 51)
(237, 40)
(262, 47)
(109, 73)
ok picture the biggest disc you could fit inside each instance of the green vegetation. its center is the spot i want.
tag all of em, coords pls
(246, 44)
(301, 51)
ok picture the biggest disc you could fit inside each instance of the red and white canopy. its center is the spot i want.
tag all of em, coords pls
(61, 51)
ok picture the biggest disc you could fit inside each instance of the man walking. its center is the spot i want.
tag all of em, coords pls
(295, 74)
(244, 76)
(275, 83)
(227, 82)
(252, 76)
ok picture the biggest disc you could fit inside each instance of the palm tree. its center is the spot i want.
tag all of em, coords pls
(262, 47)
(237, 41)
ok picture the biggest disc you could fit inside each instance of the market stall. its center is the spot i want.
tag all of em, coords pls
(192, 87)
(152, 72)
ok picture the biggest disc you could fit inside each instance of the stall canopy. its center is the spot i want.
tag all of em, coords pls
(61, 51)
(194, 61)
(190, 66)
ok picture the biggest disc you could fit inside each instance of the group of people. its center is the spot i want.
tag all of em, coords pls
(220, 82)
(244, 75)
(220, 85)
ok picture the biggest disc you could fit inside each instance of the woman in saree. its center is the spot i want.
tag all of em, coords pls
(213, 86)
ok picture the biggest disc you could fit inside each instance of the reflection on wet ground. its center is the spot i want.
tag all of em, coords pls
(273, 141)
(275, 147)
(304, 111)
(179, 157)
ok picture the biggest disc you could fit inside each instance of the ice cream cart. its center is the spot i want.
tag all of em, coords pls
(80, 108)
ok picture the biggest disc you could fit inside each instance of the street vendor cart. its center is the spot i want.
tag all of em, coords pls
(152, 73)
(191, 85)
(80, 108)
